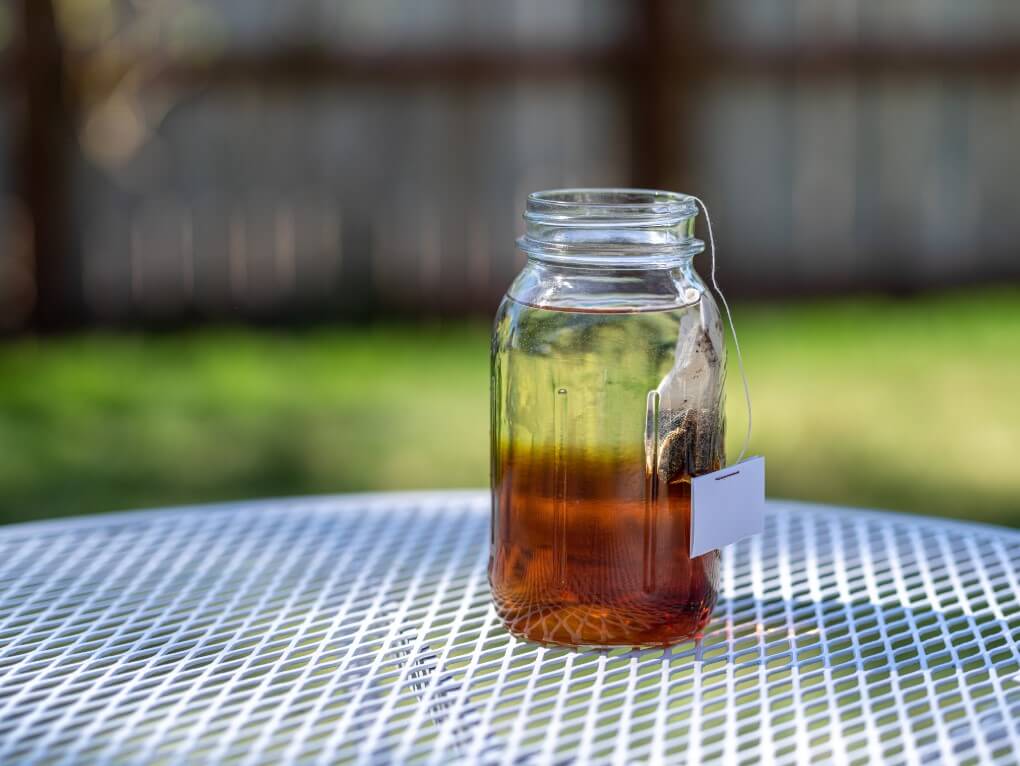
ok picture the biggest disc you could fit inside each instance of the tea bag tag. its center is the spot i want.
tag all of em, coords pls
(727, 505)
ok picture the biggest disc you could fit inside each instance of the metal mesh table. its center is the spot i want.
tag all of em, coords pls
(359, 629)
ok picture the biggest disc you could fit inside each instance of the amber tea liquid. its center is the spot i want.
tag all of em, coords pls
(596, 434)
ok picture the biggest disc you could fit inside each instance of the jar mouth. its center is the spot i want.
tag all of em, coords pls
(623, 228)
(599, 206)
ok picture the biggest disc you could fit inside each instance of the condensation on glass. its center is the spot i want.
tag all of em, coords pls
(607, 397)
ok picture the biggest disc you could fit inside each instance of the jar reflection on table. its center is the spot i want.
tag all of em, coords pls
(607, 381)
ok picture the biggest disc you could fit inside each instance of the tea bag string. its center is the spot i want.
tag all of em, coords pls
(733, 329)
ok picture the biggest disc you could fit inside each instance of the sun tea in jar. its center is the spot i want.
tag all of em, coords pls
(608, 366)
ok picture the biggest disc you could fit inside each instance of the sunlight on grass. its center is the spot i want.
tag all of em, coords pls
(907, 405)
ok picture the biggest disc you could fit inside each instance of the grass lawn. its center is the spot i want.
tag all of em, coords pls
(909, 405)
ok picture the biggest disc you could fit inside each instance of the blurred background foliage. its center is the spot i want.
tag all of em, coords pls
(905, 404)
(251, 248)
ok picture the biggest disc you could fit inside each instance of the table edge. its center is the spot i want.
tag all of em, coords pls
(433, 497)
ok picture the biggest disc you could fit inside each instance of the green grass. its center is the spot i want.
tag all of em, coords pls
(909, 405)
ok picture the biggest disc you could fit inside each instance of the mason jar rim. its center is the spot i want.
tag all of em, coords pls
(624, 206)
(620, 228)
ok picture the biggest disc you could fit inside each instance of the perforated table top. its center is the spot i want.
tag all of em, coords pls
(358, 629)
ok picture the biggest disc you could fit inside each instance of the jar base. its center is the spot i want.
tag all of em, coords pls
(595, 627)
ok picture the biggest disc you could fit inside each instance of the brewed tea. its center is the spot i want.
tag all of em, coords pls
(600, 419)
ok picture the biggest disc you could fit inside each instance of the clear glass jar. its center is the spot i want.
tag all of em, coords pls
(608, 366)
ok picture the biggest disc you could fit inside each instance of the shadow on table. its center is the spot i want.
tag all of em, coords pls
(791, 665)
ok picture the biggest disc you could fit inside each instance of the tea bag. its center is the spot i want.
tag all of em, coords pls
(690, 400)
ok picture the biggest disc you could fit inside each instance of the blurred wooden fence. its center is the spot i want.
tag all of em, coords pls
(160, 172)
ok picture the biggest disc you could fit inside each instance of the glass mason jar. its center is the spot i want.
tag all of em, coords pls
(608, 366)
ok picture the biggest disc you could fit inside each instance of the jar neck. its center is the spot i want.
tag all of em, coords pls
(602, 288)
(610, 228)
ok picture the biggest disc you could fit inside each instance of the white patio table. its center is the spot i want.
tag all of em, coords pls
(358, 629)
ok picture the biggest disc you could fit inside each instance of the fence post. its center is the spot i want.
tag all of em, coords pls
(44, 155)
(661, 93)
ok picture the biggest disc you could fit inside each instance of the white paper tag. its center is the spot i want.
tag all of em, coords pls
(727, 505)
